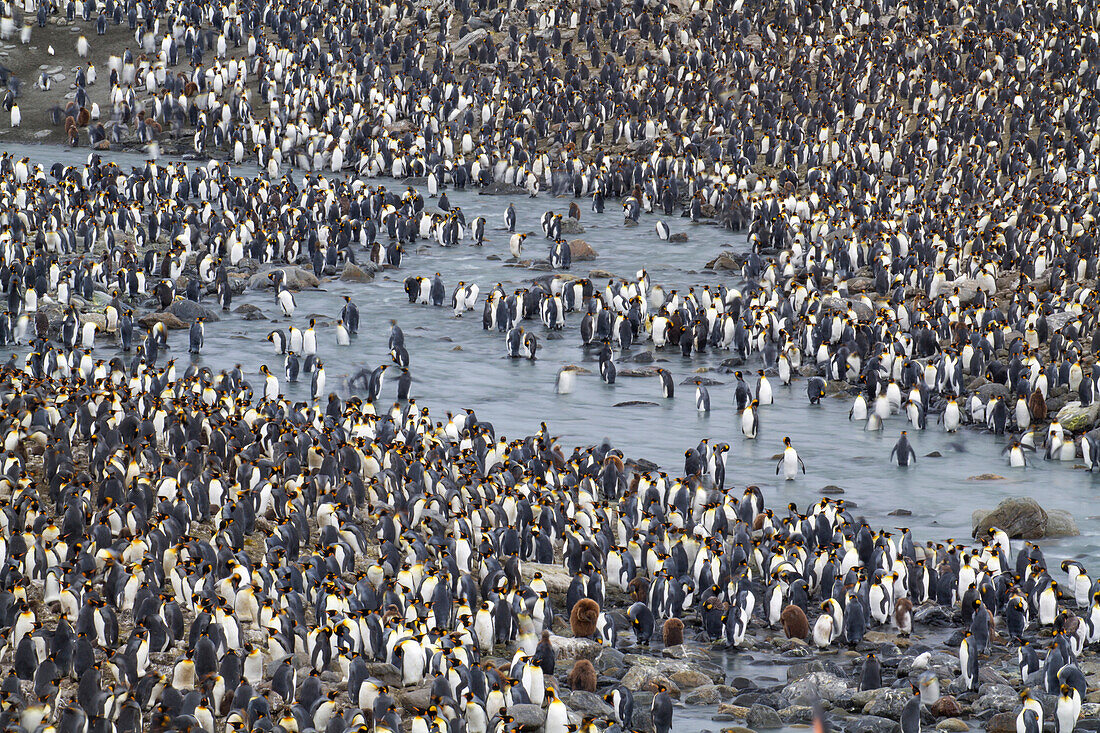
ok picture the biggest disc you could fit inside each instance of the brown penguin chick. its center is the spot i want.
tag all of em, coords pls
(582, 619)
(673, 632)
(582, 676)
(903, 616)
(638, 589)
(795, 624)
(1037, 405)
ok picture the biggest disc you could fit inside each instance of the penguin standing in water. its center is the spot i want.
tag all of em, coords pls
(750, 420)
(668, 387)
(510, 218)
(903, 452)
(197, 336)
(702, 397)
(790, 462)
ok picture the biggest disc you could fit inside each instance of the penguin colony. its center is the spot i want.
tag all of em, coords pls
(183, 550)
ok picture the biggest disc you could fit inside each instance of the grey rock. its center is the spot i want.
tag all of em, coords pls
(571, 226)
(867, 724)
(189, 311)
(296, 278)
(528, 717)
(815, 686)
(469, 39)
(888, 703)
(385, 672)
(355, 274)
(250, 312)
(724, 261)
(1061, 523)
(762, 717)
(608, 658)
(1076, 418)
(1020, 517)
(587, 704)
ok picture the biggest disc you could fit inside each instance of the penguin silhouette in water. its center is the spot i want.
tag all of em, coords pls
(903, 452)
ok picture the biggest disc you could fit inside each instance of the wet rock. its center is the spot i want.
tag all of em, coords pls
(189, 311)
(888, 703)
(831, 490)
(354, 274)
(815, 686)
(635, 403)
(1001, 723)
(678, 238)
(250, 312)
(689, 678)
(952, 725)
(499, 188)
(639, 372)
(170, 320)
(900, 513)
(1020, 517)
(724, 261)
(588, 704)
(986, 477)
(868, 724)
(581, 250)
(1061, 523)
(608, 658)
(296, 278)
(1076, 418)
(705, 695)
(571, 226)
(640, 677)
(527, 717)
(797, 714)
(761, 717)
(736, 711)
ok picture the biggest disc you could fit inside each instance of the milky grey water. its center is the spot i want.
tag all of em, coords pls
(455, 364)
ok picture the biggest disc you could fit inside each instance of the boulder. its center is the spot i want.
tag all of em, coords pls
(170, 320)
(761, 717)
(968, 289)
(571, 226)
(1020, 517)
(678, 238)
(568, 647)
(841, 305)
(860, 284)
(1076, 418)
(588, 704)
(296, 278)
(724, 261)
(189, 311)
(814, 686)
(689, 678)
(868, 724)
(250, 312)
(355, 274)
(556, 578)
(527, 717)
(385, 672)
(888, 703)
(468, 40)
(705, 695)
(1001, 723)
(608, 658)
(415, 698)
(1057, 320)
(993, 389)
(581, 250)
(1061, 523)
